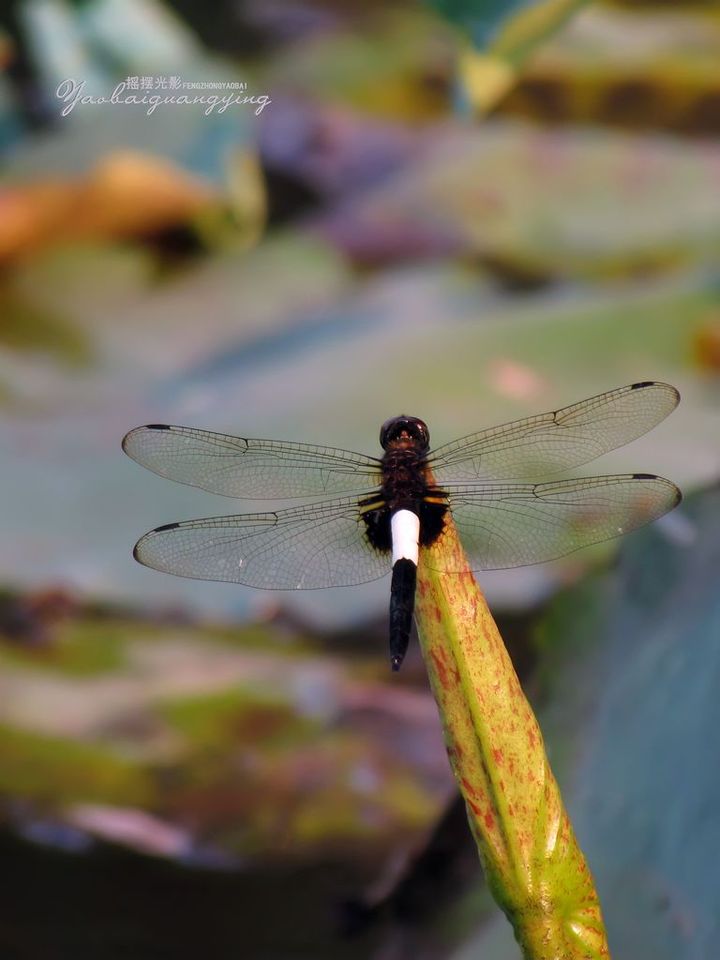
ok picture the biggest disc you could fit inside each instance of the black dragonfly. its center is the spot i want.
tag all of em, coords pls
(492, 483)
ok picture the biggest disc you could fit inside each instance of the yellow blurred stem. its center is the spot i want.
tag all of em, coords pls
(487, 75)
(486, 78)
(533, 864)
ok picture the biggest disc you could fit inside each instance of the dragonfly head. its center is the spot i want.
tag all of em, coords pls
(406, 431)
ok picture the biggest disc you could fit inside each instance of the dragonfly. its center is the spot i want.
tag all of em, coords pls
(370, 516)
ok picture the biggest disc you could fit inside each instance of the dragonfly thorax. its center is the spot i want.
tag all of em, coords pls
(404, 480)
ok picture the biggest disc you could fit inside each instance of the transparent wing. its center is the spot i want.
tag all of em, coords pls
(552, 442)
(253, 469)
(510, 525)
(315, 545)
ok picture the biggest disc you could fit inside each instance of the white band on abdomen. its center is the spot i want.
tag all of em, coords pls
(405, 530)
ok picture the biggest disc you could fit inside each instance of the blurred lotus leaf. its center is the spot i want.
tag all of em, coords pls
(622, 67)
(243, 735)
(397, 65)
(547, 203)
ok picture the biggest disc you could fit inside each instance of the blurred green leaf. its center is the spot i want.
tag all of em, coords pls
(79, 648)
(32, 328)
(60, 770)
(241, 715)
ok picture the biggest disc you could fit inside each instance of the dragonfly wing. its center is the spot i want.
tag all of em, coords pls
(317, 545)
(510, 525)
(254, 469)
(560, 440)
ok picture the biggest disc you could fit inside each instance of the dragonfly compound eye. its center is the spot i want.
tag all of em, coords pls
(405, 428)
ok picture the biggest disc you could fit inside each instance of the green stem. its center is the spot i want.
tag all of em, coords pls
(533, 864)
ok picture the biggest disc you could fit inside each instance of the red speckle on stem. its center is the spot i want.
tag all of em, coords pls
(446, 670)
(489, 820)
(438, 659)
(498, 756)
(471, 793)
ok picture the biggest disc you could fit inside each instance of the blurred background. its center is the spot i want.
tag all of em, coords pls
(469, 211)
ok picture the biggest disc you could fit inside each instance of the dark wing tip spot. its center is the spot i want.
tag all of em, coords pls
(131, 433)
(669, 483)
(141, 541)
(657, 383)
